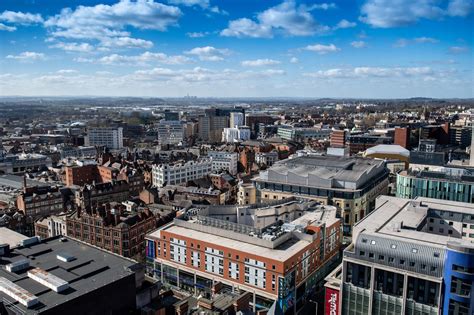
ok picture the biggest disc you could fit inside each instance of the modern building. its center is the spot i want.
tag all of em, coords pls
(24, 163)
(231, 135)
(63, 276)
(224, 161)
(277, 252)
(300, 133)
(170, 132)
(410, 257)
(111, 227)
(460, 135)
(389, 152)
(446, 183)
(236, 119)
(180, 172)
(352, 184)
(51, 226)
(211, 127)
(110, 137)
(360, 143)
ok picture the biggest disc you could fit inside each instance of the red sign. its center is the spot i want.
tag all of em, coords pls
(331, 302)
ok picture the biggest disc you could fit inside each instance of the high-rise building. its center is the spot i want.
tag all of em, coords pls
(110, 137)
(170, 132)
(236, 119)
(352, 184)
(211, 127)
(402, 137)
(410, 257)
(277, 252)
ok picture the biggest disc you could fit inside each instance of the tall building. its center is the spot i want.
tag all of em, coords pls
(236, 119)
(402, 137)
(180, 172)
(460, 135)
(170, 132)
(224, 161)
(410, 257)
(446, 183)
(110, 137)
(277, 252)
(211, 127)
(63, 276)
(352, 184)
(338, 139)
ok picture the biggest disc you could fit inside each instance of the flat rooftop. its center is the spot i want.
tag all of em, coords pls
(11, 237)
(90, 268)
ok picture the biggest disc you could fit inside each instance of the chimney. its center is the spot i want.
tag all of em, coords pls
(117, 218)
(24, 183)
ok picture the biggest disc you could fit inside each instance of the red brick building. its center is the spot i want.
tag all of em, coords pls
(402, 137)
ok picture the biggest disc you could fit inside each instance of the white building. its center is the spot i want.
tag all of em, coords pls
(180, 172)
(224, 161)
(236, 119)
(109, 137)
(24, 162)
(170, 132)
(241, 133)
(56, 224)
(266, 158)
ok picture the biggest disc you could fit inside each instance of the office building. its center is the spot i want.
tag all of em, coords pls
(300, 134)
(360, 143)
(352, 184)
(211, 128)
(410, 257)
(460, 135)
(277, 252)
(170, 132)
(446, 183)
(224, 161)
(110, 137)
(236, 119)
(24, 163)
(63, 276)
(180, 172)
(51, 226)
(231, 135)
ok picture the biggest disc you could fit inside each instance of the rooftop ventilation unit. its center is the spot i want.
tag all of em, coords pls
(65, 257)
(48, 279)
(18, 265)
(18, 293)
(30, 241)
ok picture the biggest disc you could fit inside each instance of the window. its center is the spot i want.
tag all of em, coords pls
(402, 261)
(381, 257)
(362, 253)
(391, 259)
(412, 264)
(371, 255)
(414, 250)
(372, 242)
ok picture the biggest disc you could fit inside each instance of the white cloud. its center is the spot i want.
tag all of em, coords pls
(390, 13)
(21, 18)
(364, 72)
(359, 44)
(286, 18)
(204, 4)
(345, 24)
(294, 60)
(322, 49)
(197, 34)
(74, 47)
(144, 59)
(458, 49)
(260, 62)
(67, 71)
(7, 28)
(126, 42)
(322, 6)
(403, 42)
(208, 53)
(429, 40)
(27, 56)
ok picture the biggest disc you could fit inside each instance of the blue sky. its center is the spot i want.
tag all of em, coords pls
(360, 48)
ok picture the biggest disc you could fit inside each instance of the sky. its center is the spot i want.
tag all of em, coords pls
(237, 48)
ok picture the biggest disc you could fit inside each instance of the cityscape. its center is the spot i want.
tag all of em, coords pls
(198, 157)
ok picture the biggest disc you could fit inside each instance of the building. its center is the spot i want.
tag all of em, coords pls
(63, 276)
(266, 158)
(95, 194)
(338, 139)
(410, 257)
(211, 127)
(277, 252)
(298, 133)
(51, 226)
(389, 152)
(360, 143)
(111, 227)
(352, 184)
(247, 194)
(236, 119)
(255, 121)
(110, 137)
(446, 183)
(77, 152)
(460, 136)
(230, 135)
(402, 137)
(180, 172)
(81, 173)
(24, 162)
(170, 132)
(40, 201)
(224, 161)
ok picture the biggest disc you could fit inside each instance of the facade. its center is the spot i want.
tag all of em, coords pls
(266, 158)
(277, 252)
(180, 172)
(410, 257)
(63, 276)
(352, 184)
(224, 161)
(89, 196)
(170, 132)
(402, 137)
(460, 135)
(231, 135)
(297, 133)
(110, 227)
(236, 119)
(446, 183)
(81, 173)
(338, 139)
(391, 152)
(211, 127)
(247, 194)
(109, 137)
(24, 162)
(51, 226)
(360, 143)
(40, 201)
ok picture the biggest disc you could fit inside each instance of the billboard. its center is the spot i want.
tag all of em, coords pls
(331, 302)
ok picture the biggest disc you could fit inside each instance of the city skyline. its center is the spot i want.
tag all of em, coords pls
(370, 48)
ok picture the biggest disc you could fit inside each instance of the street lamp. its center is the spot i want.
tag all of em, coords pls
(315, 306)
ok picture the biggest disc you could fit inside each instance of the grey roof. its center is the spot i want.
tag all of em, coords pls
(91, 269)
